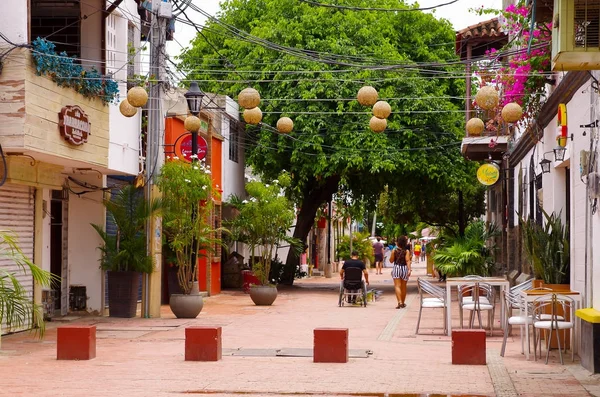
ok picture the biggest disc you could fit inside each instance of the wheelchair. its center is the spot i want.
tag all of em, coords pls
(353, 287)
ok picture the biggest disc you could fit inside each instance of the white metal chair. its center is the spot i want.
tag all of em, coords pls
(514, 302)
(435, 300)
(555, 304)
(483, 298)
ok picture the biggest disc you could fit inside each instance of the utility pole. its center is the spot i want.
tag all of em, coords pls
(161, 12)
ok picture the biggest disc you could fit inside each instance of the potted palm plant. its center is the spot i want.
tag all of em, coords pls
(468, 254)
(187, 197)
(263, 220)
(124, 254)
(16, 306)
(547, 248)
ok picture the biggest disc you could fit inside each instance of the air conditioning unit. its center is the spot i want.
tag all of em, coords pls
(576, 35)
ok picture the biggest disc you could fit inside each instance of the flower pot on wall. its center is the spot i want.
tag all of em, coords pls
(122, 293)
(263, 295)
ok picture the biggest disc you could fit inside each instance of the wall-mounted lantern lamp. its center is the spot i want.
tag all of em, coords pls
(559, 153)
(545, 164)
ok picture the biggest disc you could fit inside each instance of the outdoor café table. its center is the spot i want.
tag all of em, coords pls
(531, 295)
(501, 282)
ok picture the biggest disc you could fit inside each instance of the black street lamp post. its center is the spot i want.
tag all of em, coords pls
(194, 101)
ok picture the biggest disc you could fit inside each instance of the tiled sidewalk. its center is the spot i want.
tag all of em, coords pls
(144, 357)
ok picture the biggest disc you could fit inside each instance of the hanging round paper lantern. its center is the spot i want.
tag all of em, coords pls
(382, 109)
(377, 124)
(252, 116)
(137, 97)
(285, 125)
(512, 112)
(249, 98)
(475, 126)
(126, 109)
(367, 96)
(487, 97)
(192, 124)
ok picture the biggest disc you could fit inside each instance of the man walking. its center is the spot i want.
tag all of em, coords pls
(378, 251)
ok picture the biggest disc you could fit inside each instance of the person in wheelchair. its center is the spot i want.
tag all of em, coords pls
(352, 278)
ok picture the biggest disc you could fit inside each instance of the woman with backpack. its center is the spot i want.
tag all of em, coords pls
(401, 258)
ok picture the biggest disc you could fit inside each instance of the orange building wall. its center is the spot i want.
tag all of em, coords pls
(173, 130)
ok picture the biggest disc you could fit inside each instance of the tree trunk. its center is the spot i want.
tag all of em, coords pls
(315, 195)
(461, 214)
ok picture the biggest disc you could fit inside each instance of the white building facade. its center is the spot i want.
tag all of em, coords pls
(60, 142)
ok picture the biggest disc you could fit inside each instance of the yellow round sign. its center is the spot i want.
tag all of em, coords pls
(488, 174)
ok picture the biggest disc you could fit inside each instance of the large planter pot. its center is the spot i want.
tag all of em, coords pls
(186, 306)
(263, 295)
(123, 293)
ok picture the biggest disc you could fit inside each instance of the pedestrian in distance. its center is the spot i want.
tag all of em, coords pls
(401, 258)
(378, 252)
(423, 252)
(417, 251)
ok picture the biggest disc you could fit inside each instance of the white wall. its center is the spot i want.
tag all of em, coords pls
(124, 141)
(14, 22)
(233, 173)
(84, 256)
(578, 112)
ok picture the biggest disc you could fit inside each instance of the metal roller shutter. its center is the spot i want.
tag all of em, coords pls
(17, 215)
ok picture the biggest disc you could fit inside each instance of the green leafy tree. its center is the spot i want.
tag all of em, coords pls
(330, 54)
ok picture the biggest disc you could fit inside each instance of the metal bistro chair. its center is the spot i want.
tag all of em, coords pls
(514, 302)
(435, 300)
(553, 303)
(353, 286)
(465, 295)
(483, 298)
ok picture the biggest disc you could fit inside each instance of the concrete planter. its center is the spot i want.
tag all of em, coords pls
(263, 295)
(187, 305)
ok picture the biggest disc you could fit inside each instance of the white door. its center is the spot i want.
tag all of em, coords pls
(17, 216)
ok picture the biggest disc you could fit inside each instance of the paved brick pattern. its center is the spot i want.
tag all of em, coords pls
(145, 357)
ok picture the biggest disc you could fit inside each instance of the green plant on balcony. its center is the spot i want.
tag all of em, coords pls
(65, 72)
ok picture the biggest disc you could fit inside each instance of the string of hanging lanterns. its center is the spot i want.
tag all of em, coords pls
(487, 98)
(136, 98)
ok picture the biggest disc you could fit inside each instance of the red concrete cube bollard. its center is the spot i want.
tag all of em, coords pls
(203, 344)
(76, 342)
(330, 345)
(468, 346)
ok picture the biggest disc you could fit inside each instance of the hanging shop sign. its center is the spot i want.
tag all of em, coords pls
(74, 125)
(562, 125)
(488, 174)
(183, 147)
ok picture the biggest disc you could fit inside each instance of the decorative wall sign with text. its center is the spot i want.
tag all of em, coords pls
(183, 147)
(74, 125)
(488, 174)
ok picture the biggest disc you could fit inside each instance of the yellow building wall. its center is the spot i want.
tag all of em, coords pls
(29, 114)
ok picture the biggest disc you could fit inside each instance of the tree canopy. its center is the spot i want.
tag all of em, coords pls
(308, 63)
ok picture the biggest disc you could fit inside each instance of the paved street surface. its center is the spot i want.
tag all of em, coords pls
(267, 352)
